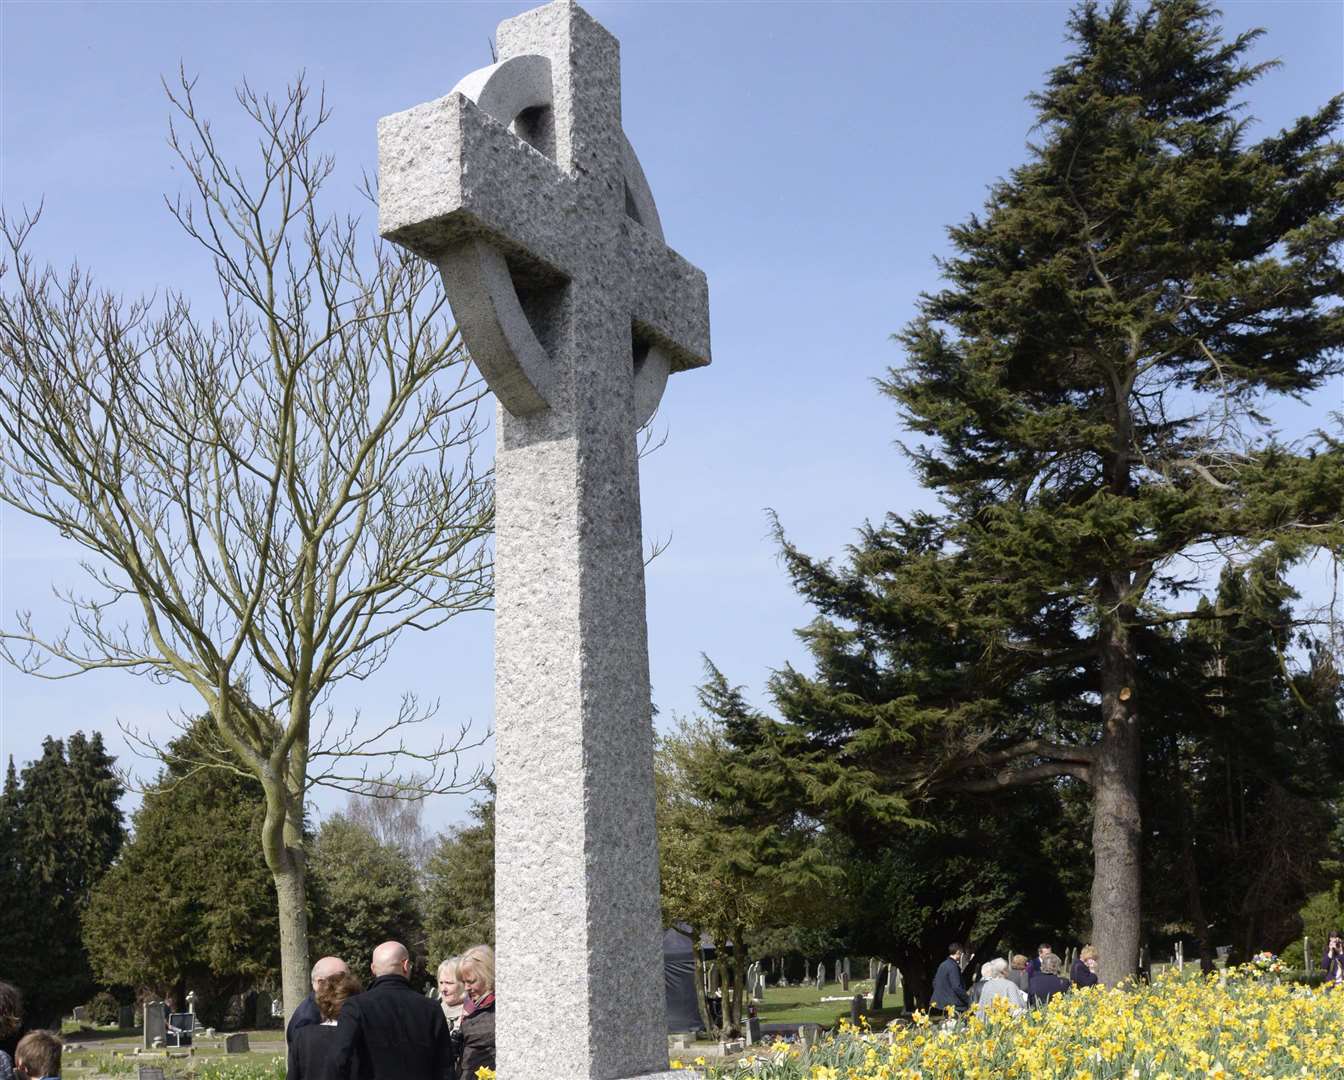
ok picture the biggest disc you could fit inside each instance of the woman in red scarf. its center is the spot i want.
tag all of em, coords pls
(476, 972)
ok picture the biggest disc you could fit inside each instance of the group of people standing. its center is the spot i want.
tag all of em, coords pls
(1022, 982)
(387, 1030)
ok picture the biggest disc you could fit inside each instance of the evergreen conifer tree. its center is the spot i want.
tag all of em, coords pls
(63, 829)
(1092, 389)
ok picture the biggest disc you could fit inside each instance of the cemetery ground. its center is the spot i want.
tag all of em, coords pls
(94, 1053)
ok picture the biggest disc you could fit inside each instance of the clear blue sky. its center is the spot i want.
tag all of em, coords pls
(808, 156)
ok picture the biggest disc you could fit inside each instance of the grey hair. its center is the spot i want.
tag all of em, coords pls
(1050, 964)
(994, 969)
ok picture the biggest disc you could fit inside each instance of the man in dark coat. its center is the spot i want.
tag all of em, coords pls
(390, 1032)
(308, 1012)
(948, 988)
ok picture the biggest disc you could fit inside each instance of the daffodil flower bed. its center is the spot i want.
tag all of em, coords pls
(1235, 1026)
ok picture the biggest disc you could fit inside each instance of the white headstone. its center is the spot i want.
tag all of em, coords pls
(521, 186)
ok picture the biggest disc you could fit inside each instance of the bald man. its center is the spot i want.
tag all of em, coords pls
(390, 1032)
(307, 1012)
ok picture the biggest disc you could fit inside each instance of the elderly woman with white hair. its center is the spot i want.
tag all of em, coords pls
(997, 985)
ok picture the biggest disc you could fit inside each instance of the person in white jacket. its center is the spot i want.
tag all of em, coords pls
(996, 985)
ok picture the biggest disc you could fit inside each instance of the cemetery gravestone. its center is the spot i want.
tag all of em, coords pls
(80, 1014)
(236, 1043)
(821, 975)
(125, 1016)
(156, 1024)
(262, 1010)
(893, 978)
(844, 980)
(148, 1072)
(521, 186)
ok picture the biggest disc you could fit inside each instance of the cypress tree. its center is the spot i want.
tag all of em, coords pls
(1091, 389)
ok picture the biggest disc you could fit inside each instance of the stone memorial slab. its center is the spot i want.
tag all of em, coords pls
(81, 1014)
(125, 1016)
(156, 1024)
(236, 1043)
(821, 974)
(521, 186)
(150, 1072)
(893, 978)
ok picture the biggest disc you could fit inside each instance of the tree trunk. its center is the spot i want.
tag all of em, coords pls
(282, 844)
(701, 1001)
(1190, 871)
(1115, 795)
(916, 987)
(879, 987)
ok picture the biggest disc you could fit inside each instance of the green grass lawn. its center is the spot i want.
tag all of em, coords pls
(109, 1052)
(803, 1004)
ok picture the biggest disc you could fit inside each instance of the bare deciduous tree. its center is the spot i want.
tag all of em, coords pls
(268, 498)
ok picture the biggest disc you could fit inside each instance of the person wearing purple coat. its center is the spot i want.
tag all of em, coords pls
(1332, 960)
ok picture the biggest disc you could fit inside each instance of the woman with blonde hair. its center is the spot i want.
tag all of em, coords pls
(450, 992)
(476, 973)
(1085, 968)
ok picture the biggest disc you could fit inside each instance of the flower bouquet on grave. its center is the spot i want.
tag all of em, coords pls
(1266, 965)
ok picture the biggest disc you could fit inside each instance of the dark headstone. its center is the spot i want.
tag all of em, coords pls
(856, 1007)
(126, 1016)
(236, 1043)
(156, 1023)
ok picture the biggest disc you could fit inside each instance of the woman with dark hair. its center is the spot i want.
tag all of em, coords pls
(312, 1051)
(476, 972)
(11, 1021)
(1332, 961)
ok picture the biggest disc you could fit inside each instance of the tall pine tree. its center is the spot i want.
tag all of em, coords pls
(62, 830)
(1090, 387)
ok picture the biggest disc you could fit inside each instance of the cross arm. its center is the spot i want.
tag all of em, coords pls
(669, 300)
(448, 173)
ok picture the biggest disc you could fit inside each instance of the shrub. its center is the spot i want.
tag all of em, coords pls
(102, 1008)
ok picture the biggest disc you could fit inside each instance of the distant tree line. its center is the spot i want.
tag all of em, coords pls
(182, 900)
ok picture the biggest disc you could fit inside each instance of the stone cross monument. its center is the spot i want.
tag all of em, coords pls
(522, 187)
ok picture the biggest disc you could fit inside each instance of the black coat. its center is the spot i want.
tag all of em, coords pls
(1043, 987)
(478, 1041)
(311, 1052)
(307, 1013)
(1082, 974)
(948, 988)
(390, 1032)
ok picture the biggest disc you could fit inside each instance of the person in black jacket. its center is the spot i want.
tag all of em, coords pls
(308, 1012)
(1047, 982)
(390, 1032)
(476, 970)
(948, 988)
(313, 1047)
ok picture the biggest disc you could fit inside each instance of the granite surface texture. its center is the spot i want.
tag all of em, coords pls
(545, 231)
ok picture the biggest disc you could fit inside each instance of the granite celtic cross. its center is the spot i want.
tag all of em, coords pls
(521, 186)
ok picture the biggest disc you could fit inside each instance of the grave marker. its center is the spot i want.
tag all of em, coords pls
(521, 186)
(156, 1024)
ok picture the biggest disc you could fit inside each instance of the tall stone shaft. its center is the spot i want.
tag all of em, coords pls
(522, 187)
